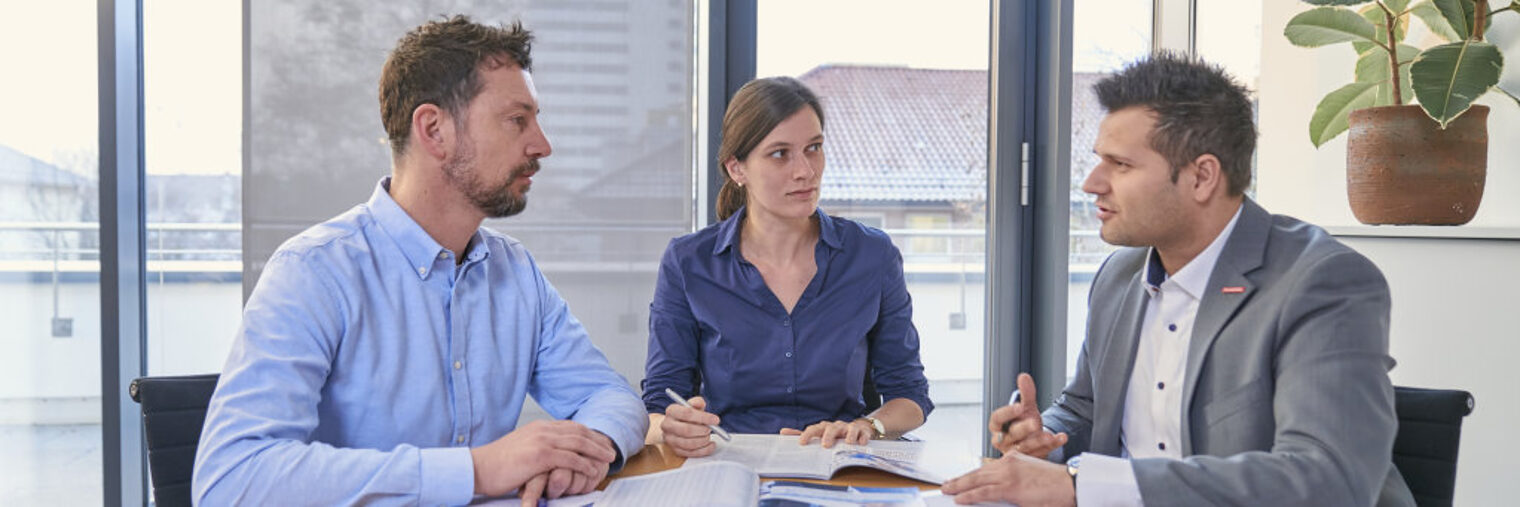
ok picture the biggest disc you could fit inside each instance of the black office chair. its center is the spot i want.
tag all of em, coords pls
(1425, 448)
(173, 409)
(868, 393)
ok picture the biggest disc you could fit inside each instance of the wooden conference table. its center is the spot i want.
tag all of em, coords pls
(659, 458)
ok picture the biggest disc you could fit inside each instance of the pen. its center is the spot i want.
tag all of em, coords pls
(719, 431)
(1012, 400)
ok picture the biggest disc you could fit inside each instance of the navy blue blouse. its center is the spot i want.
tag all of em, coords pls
(716, 329)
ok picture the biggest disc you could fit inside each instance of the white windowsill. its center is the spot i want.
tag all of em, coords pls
(1426, 231)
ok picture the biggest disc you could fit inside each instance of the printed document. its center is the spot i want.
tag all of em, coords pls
(781, 456)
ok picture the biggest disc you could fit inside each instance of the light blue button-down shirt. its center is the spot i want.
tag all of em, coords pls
(368, 365)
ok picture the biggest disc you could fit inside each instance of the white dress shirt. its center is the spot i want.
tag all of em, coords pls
(1152, 426)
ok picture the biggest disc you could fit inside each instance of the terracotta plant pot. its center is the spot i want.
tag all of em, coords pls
(1401, 168)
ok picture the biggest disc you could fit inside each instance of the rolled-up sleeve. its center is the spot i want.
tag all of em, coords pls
(895, 365)
(672, 360)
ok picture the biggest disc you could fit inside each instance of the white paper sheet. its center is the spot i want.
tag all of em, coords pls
(719, 484)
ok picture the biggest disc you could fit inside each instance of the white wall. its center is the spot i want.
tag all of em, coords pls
(1456, 325)
(47, 380)
(1455, 319)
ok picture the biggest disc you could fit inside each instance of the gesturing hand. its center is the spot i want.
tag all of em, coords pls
(1019, 428)
(685, 429)
(537, 449)
(857, 432)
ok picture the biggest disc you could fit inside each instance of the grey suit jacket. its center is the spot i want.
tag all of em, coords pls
(1286, 398)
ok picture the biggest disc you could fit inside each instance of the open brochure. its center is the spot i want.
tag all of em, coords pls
(780, 456)
(730, 484)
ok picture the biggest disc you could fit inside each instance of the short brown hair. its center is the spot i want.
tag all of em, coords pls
(1198, 107)
(439, 63)
(755, 110)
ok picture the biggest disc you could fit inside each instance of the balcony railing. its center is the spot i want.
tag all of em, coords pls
(175, 247)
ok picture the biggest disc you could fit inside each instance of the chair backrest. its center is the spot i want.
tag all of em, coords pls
(1425, 448)
(173, 409)
(868, 392)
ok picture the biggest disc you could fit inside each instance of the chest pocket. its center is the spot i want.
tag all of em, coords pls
(1237, 421)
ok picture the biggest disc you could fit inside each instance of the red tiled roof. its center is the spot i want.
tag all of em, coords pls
(902, 134)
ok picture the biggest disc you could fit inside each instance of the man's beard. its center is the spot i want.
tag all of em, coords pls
(495, 202)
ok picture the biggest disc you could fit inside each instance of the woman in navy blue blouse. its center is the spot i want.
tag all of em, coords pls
(770, 320)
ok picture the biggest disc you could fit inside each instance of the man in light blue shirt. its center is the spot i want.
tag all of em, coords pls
(385, 354)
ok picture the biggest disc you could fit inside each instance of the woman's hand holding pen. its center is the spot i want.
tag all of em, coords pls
(1018, 427)
(686, 430)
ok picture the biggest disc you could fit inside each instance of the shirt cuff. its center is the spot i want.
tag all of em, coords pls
(1106, 481)
(448, 476)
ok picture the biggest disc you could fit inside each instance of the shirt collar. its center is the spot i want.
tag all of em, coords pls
(419, 248)
(1193, 278)
(728, 230)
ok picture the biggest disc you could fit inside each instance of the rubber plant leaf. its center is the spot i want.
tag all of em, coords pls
(1331, 115)
(1328, 25)
(1448, 78)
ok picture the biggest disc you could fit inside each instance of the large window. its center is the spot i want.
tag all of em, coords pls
(50, 405)
(1106, 35)
(193, 120)
(904, 91)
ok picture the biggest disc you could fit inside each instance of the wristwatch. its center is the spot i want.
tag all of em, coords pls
(881, 429)
(1071, 469)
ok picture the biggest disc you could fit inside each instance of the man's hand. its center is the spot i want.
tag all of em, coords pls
(1018, 427)
(1015, 478)
(685, 429)
(537, 449)
(857, 432)
(557, 483)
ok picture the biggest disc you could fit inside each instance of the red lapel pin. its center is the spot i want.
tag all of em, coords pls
(1233, 290)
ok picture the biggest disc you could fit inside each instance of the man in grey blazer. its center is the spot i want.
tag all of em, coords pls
(1233, 357)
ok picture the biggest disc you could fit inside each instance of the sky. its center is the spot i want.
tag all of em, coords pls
(192, 84)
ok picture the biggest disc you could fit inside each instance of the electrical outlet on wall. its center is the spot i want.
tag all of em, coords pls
(63, 327)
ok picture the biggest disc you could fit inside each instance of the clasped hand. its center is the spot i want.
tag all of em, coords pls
(543, 459)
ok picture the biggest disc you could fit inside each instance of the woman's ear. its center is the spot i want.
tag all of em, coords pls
(433, 130)
(735, 170)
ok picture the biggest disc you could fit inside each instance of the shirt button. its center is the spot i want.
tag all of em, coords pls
(1161, 445)
(443, 255)
(459, 439)
(458, 365)
(789, 389)
(1171, 327)
(422, 270)
(786, 323)
(788, 354)
(1161, 385)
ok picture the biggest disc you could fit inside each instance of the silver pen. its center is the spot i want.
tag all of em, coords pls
(716, 430)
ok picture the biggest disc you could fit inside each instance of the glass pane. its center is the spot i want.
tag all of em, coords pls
(50, 417)
(907, 152)
(1106, 35)
(1229, 34)
(615, 83)
(193, 125)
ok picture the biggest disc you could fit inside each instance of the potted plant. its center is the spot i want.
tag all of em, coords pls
(1408, 164)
